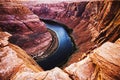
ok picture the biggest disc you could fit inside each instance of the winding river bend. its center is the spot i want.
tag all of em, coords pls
(64, 49)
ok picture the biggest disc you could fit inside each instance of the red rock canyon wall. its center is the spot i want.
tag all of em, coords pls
(93, 22)
(27, 30)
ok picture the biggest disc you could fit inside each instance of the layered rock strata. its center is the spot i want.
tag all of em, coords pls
(15, 64)
(92, 22)
(97, 22)
(101, 64)
(13, 59)
(27, 30)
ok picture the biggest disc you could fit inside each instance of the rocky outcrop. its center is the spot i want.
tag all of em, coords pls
(107, 59)
(4, 38)
(117, 41)
(101, 64)
(15, 64)
(27, 30)
(81, 70)
(54, 74)
(13, 59)
(92, 22)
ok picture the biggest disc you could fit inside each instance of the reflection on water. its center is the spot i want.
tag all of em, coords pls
(64, 50)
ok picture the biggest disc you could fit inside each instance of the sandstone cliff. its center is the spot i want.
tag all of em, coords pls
(101, 64)
(15, 64)
(92, 22)
(13, 58)
(27, 30)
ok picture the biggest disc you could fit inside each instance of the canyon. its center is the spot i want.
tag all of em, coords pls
(92, 22)
(94, 27)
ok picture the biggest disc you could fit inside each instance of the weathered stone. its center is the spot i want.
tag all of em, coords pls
(15, 64)
(4, 36)
(13, 59)
(101, 64)
(54, 74)
(92, 22)
(81, 70)
(27, 30)
(107, 58)
(117, 41)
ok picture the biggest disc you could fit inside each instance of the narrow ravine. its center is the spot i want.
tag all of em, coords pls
(64, 49)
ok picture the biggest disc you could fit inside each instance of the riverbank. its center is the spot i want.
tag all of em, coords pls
(65, 47)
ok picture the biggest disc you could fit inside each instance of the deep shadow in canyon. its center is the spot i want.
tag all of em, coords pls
(96, 35)
(65, 46)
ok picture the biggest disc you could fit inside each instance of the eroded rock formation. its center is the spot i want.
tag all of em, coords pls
(27, 30)
(13, 59)
(101, 64)
(15, 64)
(93, 22)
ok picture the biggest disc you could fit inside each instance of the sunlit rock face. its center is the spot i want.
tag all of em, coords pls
(101, 64)
(27, 30)
(13, 59)
(15, 64)
(96, 23)
(93, 22)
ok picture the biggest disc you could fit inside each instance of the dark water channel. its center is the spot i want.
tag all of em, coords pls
(64, 49)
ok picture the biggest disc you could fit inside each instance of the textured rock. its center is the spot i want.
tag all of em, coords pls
(108, 25)
(13, 58)
(92, 22)
(27, 30)
(81, 70)
(117, 41)
(101, 64)
(4, 36)
(15, 64)
(54, 74)
(107, 58)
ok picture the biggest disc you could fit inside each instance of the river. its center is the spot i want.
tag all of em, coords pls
(64, 50)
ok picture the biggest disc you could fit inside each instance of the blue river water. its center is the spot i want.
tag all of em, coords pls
(64, 50)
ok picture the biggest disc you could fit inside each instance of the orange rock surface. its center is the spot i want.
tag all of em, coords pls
(92, 22)
(101, 64)
(28, 32)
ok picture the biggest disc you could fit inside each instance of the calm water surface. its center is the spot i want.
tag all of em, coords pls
(64, 50)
